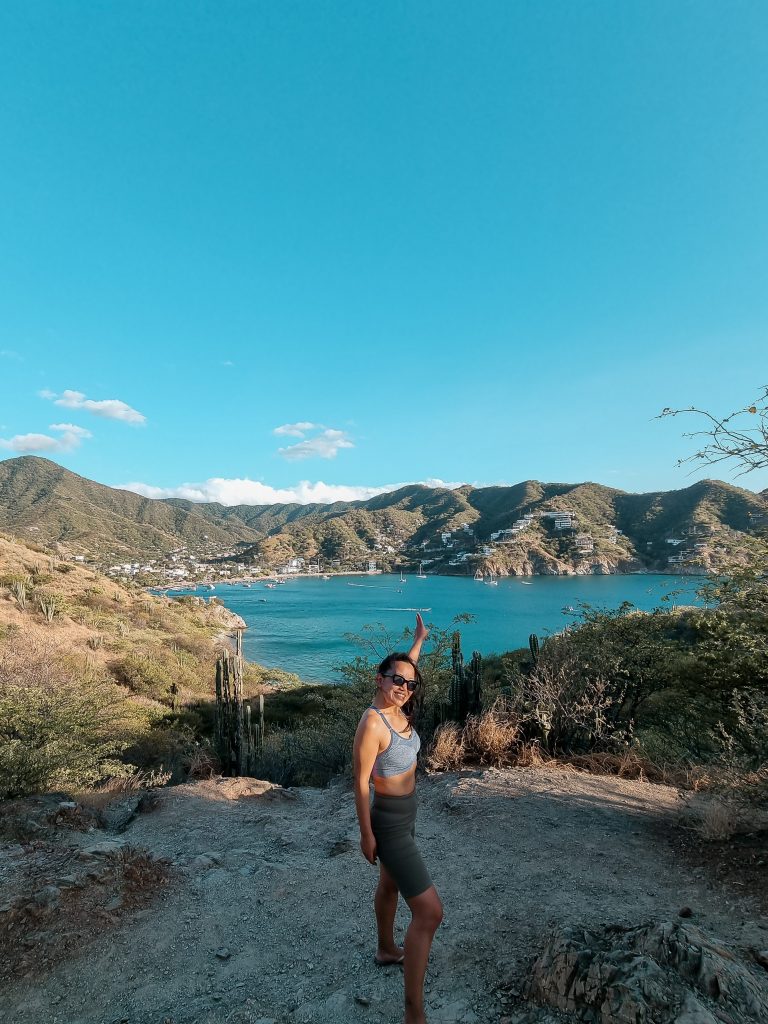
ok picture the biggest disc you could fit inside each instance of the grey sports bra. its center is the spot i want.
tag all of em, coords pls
(400, 755)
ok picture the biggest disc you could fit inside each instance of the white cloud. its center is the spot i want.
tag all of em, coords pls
(326, 445)
(295, 429)
(109, 408)
(70, 428)
(25, 444)
(253, 492)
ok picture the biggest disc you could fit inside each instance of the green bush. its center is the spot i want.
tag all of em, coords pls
(59, 729)
(167, 744)
(145, 675)
(690, 685)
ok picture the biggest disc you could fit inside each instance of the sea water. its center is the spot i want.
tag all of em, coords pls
(302, 626)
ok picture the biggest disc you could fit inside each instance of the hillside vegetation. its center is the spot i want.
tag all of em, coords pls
(95, 676)
(44, 502)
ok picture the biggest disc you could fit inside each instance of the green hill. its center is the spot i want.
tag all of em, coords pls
(40, 500)
(506, 529)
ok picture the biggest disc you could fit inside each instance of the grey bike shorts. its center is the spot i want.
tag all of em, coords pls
(393, 820)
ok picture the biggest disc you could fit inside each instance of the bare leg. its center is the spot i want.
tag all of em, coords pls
(427, 913)
(385, 905)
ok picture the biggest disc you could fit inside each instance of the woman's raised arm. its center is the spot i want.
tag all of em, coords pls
(420, 634)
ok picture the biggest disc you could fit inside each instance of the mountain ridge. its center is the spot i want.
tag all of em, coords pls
(453, 529)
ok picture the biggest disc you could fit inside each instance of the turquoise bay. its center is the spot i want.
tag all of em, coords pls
(300, 626)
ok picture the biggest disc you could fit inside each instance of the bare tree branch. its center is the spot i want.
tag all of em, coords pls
(728, 437)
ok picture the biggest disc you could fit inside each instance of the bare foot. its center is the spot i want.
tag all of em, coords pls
(394, 955)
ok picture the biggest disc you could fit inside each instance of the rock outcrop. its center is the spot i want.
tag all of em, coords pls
(668, 973)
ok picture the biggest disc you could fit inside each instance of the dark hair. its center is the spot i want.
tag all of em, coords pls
(413, 705)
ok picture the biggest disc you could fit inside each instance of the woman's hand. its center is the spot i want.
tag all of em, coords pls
(421, 632)
(368, 846)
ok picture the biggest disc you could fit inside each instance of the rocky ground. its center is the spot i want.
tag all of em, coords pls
(254, 906)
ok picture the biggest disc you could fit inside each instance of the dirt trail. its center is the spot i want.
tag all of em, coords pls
(269, 915)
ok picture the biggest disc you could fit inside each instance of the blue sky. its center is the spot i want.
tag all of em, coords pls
(469, 242)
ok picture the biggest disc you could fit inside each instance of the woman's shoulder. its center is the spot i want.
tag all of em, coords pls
(370, 714)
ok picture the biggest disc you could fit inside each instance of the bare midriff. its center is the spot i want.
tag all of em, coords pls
(395, 785)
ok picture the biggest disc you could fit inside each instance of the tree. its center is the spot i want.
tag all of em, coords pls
(741, 435)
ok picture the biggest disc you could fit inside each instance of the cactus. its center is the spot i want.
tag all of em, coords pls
(237, 739)
(19, 591)
(48, 607)
(533, 643)
(464, 694)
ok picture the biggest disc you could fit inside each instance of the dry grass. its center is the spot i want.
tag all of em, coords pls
(203, 763)
(447, 752)
(117, 789)
(495, 738)
(94, 611)
(491, 738)
(717, 819)
(629, 764)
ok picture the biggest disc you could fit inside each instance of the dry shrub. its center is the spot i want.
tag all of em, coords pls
(96, 601)
(142, 873)
(117, 789)
(717, 819)
(203, 763)
(531, 755)
(492, 737)
(200, 647)
(447, 751)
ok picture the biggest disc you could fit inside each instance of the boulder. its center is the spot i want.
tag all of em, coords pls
(104, 849)
(667, 973)
(117, 816)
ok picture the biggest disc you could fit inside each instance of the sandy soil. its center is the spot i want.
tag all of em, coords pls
(269, 917)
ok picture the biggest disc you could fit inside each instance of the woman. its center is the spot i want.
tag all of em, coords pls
(386, 745)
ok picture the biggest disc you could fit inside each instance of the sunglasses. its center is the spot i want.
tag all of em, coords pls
(398, 680)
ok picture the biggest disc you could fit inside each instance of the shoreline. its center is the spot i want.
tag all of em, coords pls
(250, 580)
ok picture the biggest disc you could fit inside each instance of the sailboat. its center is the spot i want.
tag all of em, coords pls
(492, 581)
(421, 575)
(478, 576)
(402, 578)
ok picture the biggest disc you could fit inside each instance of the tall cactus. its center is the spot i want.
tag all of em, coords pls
(533, 643)
(238, 739)
(465, 692)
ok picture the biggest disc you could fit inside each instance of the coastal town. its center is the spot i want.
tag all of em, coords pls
(456, 551)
